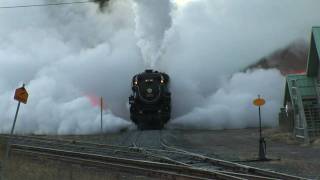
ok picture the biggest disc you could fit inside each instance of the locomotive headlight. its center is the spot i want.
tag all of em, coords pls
(162, 81)
(135, 82)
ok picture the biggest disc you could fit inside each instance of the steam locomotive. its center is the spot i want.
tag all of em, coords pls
(150, 102)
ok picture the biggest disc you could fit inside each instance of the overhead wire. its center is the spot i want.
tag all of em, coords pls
(47, 4)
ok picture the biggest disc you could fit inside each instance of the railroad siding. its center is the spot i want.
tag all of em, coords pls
(29, 167)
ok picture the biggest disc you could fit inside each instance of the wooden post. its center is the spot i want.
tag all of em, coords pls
(101, 125)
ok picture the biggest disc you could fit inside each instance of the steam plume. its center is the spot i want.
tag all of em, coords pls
(153, 19)
(65, 53)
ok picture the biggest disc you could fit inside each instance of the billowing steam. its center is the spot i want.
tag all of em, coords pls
(66, 53)
(231, 105)
(153, 19)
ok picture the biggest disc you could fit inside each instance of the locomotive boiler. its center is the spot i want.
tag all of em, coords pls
(150, 101)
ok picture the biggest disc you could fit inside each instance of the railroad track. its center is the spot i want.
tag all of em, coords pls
(230, 168)
(124, 164)
(194, 160)
(86, 147)
(143, 157)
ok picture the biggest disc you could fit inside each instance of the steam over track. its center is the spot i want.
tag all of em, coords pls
(145, 153)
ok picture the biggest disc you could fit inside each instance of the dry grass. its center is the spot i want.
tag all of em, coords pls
(316, 143)
(40, 168)
(24, 167)
(279, 136)
(286, 137)
(3, 143)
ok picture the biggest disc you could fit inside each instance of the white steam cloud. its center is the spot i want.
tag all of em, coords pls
(153, 19)
(65, 54)
(231, 105)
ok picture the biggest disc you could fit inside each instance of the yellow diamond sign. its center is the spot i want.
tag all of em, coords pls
(259, 102)
(21, 95)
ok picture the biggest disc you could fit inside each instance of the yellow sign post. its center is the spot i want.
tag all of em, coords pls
(21, 95)
(262, 143)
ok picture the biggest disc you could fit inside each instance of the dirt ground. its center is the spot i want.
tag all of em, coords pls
(287, 155)
(241, 145)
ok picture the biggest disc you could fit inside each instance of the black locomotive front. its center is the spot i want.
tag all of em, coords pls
(150, 103)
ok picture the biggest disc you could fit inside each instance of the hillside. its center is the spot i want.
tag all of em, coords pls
(291, 59)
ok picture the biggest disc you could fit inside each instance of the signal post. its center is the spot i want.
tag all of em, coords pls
(262, 143)
(21, 95)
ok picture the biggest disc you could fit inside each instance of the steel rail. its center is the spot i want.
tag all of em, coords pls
(107, 165)
(238, 167)
(148, 165)
(131, 152)
(71, 141)
(236, 174)
(136, 149)
(154, 152)
(143, 150)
